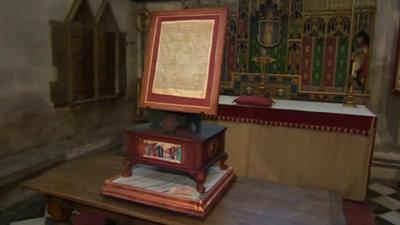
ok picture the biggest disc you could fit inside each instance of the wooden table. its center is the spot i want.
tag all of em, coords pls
(76, 185)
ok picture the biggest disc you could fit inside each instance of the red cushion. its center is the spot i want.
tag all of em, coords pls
(254, 100)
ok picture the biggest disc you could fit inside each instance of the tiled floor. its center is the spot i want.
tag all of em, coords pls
(384, 201)
(384, 193)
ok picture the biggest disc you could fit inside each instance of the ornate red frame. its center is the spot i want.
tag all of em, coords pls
(396, 70)
(209, 104)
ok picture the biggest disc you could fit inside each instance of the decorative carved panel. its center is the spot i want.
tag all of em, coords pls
(316, 43)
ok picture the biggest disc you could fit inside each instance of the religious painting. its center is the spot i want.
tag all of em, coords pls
(325, 42)
(269, 27)
(396, 69)
(162, 151)
(184, 60)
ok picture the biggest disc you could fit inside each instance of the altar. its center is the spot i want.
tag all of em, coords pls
(301, 143)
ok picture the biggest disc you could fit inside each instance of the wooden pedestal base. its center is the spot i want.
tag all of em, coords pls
(199, 207)
(198, 175)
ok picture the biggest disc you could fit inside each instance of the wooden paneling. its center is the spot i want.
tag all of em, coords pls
(82, 62)
(106, 63)
(121, 63)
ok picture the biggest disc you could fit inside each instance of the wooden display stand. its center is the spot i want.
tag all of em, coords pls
(174, 83)
(184, 150)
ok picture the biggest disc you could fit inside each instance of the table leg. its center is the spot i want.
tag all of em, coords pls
(128, 168)
(222, 164)
(200, 178)
(57, 210)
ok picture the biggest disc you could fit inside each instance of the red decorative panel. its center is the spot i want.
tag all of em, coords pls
(231, 57)
(307, 61)
(330, 62)
(334, 122)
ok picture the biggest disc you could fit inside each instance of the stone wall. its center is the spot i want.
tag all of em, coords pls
(29, 120)
(382, 101)
(27, 117)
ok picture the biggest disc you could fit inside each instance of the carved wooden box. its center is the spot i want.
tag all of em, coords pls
(184, 150)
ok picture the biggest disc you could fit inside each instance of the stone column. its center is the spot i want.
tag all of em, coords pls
(382, 102)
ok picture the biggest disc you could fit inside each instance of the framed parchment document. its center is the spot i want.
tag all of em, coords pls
(183, 60)
(396, 70)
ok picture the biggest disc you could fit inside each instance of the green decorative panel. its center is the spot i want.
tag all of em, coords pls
(342, 62)
(317, 62)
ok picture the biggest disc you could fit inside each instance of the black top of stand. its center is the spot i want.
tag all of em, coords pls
(207, 131)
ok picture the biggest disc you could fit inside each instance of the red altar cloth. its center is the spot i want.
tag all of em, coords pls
(297, 114)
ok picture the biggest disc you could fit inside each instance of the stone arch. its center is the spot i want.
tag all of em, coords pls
(81, 13)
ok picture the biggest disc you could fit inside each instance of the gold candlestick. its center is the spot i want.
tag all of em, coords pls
(349, 98)
(261, 87)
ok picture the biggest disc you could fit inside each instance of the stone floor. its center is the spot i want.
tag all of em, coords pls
(384, 192)
(384, 201)
(31, 207)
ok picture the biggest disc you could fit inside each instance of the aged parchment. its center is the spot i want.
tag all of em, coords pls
(183, 58)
